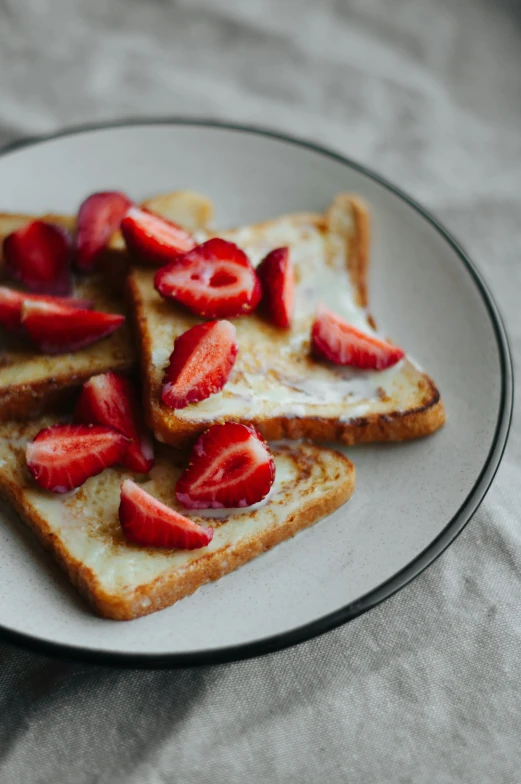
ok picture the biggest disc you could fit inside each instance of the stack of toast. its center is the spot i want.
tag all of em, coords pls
(276, 384)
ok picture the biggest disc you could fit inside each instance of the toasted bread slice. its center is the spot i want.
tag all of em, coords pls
(122, 580)
(275, 383)
(32, 383)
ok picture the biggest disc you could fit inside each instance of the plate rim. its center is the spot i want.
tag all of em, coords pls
(401, 578)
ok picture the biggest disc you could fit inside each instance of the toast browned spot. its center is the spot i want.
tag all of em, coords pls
(31, 383)
(122, 580)
(275, 383)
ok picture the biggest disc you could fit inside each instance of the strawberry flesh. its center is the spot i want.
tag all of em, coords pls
(277, 280)
(230, 467)
(110, 399)
(200, 364)
(11, 302)
(150, 523)
(214, 280)
(99, 217)
(38, 255)
(58, 329)
(63, 457)
(153, 239)
(334, 339)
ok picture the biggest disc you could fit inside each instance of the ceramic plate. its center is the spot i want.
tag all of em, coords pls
(411, 500)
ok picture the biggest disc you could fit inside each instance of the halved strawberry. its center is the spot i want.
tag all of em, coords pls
(150, 523)
(39, 256)
(62, 457)
(200, 363)
(110, 399)
(11, 302)
(58, 329)
(230, 466)
(277, 280)
(152, 238)
(214, 280)
(334, 339)
(99, 217)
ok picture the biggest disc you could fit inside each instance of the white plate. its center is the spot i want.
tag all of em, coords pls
(411, 499)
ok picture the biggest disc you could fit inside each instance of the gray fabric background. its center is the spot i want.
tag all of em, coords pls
(427, 687)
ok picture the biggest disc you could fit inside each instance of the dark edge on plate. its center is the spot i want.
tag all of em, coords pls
(400, 579)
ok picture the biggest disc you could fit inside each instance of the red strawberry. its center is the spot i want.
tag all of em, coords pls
(150, 523)
(99, 217)
(39, 255)
(152, 238)
(110, 399)
(214, 280)
(57, 329)
(63, 457)
(230, 466)
(278, 283)
(200, 363)
(11, 302)
(334, 339)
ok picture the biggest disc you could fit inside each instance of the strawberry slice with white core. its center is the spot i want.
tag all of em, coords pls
(230, 466)
(58, 329)
(150, 523)
(63, 457)
(214, 280)
(11, 302)
(153, 239)
(110, 399)
(200, 364)
(39, 256)
(334, 339)
(99, 217)
(277, 280)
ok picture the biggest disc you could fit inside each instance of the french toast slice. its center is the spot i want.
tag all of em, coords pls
(32, 383)
(275, 383)
(124, 581)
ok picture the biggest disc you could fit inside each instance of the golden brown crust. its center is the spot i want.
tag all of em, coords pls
(178, 583)
(348, 219)
(172, 587)
(23, 401)
(28, 401)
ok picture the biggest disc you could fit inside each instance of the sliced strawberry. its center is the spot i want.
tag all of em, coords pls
(214, 280)
(99, 217)
(277, 279)
(150, 523)
(39, 256)
(334, 339)
(152, 238)
(58, 329)
(11, 302)
(63, 457)
(200, 363)
(110, 399)
(230, 466)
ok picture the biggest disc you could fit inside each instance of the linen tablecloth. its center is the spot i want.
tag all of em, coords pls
(427, 687)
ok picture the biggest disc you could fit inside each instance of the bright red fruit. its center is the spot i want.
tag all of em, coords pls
(152, 238)
(200, 363)
(277, 279)
(230, 466)
(99, 217)
(58, 329)
(334, 339)
(11, 302)
(39, 256)
(150, 523)
(214, 280)
(63, 457)
(110, 399)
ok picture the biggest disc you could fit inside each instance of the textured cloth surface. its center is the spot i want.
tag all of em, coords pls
(427, 687)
